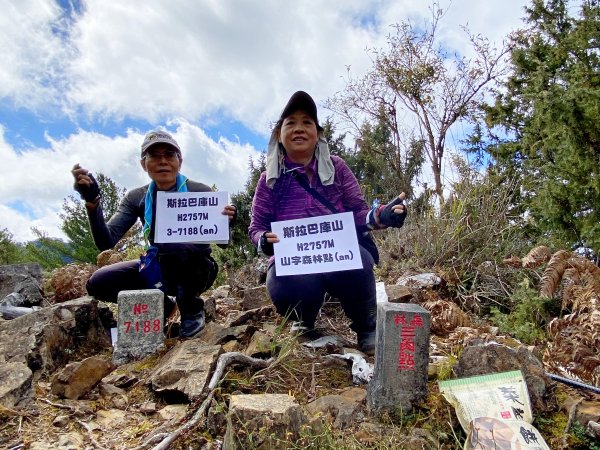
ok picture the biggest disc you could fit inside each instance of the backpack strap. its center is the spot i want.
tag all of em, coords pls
(313, 191)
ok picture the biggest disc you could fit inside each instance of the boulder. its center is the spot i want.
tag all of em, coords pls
(24, 280)
(341, 410)
(593, 430)
(255, 297)
(482, 359)
(215, 334)
(399, 294)
(264, 420)
(15, 383)
(185, 370)
(46, 339)
(260, 345)
(77, 378)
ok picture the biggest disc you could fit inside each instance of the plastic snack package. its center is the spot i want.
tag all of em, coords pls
(495, 411)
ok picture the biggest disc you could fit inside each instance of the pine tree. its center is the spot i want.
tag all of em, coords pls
(550, 110)
(10, 251)
(75, 222)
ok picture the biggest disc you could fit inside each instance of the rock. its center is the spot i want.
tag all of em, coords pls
(585, 410)
(593, 429)
(173, 413)
(216, 419)
(340, 409)
(148, 408)
(399, 294)
(69, 441)
(482, 359)
(185, 370)
(46, 339)
(221, 291)
(77, 378)
(215, 333)
(120, 380)
(265, 420)
(15, 383)
(12, 312)
(210, 309)
(260, 345)
(110, 389)
(255, 297)
(61, 421)
(24, 280)
(422, 280)
(13, 299)
(120, 401)
(112, 418)
(231, 346)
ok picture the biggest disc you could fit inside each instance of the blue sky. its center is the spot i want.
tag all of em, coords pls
(83, 81)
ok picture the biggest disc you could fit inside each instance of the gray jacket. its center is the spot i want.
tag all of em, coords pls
(131, 208)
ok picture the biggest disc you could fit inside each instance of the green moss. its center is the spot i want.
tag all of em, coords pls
(146, 363)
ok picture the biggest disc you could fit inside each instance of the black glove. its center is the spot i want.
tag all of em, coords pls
(88, 193)
(391, 219)
(234, 218)
(266, 247)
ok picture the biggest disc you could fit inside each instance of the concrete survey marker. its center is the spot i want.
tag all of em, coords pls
(140, 325)
(401, 357)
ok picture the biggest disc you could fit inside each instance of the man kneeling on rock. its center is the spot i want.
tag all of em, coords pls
(187, 269)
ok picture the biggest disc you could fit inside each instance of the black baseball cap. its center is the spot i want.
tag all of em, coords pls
(301, 101)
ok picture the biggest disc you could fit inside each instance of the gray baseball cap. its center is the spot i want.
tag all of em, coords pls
(159, 137)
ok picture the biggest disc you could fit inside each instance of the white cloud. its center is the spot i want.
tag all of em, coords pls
(189, 65)
(40, 189)
(33, 54)
(155, 59)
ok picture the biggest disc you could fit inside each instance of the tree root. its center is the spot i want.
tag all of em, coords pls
(225, 360)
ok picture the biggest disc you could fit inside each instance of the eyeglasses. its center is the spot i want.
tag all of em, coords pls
(169, 155)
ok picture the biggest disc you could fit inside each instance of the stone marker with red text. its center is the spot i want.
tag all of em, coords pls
(401, 357)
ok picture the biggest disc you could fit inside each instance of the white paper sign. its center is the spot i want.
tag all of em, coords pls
(191, 217)
(316, 245)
